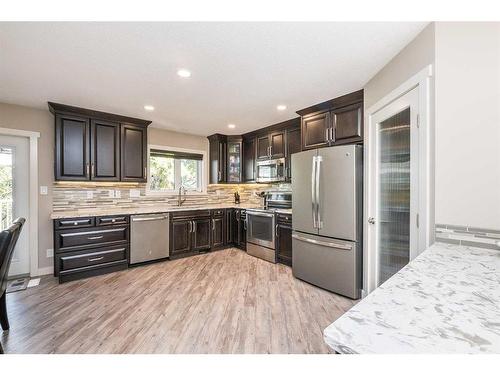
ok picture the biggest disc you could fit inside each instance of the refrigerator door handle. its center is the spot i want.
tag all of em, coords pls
(322, 243)
(313, 191)
(319, 159)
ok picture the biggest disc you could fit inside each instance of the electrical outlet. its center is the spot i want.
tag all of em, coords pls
(134, 193)
(118, 193)
(50, 253)
(44, 190)
(90, 194)
(111, 193)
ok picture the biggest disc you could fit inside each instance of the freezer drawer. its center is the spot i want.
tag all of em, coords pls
(331, 264)
(149, 237)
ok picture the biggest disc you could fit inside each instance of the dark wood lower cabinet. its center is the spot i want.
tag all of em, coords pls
(180, 237)
(90, 246)
(284, 239)
(201, 234)
(218, 229)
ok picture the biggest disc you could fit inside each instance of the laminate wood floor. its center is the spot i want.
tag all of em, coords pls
(221, 302)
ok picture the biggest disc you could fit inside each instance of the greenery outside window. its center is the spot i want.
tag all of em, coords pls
(169, 170)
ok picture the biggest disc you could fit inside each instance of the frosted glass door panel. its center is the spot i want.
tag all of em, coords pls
(394, 194)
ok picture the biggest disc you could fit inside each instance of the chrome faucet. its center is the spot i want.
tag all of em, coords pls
(181, 200)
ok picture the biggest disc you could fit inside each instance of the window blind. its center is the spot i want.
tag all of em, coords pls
(176, 155)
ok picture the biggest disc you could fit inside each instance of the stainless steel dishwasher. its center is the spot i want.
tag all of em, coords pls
(149, 237)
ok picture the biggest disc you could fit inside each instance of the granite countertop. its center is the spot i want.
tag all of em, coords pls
(447, 300)
(145, 209)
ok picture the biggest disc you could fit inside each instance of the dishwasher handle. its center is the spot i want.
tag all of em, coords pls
(155, 218)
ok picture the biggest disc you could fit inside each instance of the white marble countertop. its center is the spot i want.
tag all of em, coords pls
(447, 300)
(145, 209)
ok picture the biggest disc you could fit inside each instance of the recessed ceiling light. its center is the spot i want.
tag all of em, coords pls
(281, 107)
(184, 73)
(149, 108)
(231, 126)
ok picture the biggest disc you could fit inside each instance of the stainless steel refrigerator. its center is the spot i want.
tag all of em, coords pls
(327, 188)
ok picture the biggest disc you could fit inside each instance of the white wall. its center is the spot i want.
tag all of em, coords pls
(467, 108)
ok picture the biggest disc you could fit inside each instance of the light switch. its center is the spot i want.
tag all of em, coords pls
(44, 190)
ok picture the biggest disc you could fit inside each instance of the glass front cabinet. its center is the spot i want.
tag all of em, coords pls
(234, 152)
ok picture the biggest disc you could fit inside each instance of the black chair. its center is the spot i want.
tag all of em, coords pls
(8, 239)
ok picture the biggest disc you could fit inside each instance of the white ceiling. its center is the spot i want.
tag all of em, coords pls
(240, 71)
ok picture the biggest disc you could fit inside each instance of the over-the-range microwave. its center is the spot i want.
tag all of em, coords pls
(272, 170)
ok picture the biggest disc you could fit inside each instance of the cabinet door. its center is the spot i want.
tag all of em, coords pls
(230, 222)
(315, 129)
(292, 146)
(348, 124)
(218, 231)
(242, 235)
(72, 153)
(249, 160)
(201, 234)
(277, 140)
(284, 244)
(180, 236)
(217, 151)
(105, 150)
(133, 153)
(234, 162)
(263, 144)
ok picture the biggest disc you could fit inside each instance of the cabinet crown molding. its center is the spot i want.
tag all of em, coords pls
(72, 110)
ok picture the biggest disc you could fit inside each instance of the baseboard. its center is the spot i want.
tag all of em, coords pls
(45, 271)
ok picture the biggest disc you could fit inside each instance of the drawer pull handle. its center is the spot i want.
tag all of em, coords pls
(95, 238)
(96, 259)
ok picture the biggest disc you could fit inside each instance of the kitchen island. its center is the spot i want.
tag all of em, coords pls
(447, 300)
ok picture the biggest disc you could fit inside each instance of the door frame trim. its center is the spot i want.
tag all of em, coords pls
(423, 80)
(33, 193)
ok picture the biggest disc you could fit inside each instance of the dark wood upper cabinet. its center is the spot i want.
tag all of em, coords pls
(277, 143)
(348, 124)
(263, 145)
(105, 150)
(293, 145)
(234, 156)
(248, 159)
(98, 146)
(72, 148)
(133, 153)
(217, 156)
(315, 130)
(334, 122)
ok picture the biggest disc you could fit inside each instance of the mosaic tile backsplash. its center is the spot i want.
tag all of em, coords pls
(468, 236)
(68, 197)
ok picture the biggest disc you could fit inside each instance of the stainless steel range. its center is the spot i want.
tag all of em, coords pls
(261, 225)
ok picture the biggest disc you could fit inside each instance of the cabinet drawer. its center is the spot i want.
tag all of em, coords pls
(112, 220)
(190, 214)
(284, 219)
(218, 212)
(84, 238)
(77, 222)
(67, 262)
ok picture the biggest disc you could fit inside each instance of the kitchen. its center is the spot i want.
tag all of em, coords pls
(331, 221)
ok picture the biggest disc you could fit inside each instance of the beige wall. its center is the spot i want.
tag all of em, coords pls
(467, 101)
(24, 118)
(413, 58)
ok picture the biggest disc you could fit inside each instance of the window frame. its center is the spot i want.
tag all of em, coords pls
(201, 171)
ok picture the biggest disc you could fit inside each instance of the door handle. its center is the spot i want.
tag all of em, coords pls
(194, 226)
(190, 227)
(276, 229)
(213, 225)
(95, 237)
(87, 168)
(327, 134)
(319, 159)
(313, 191)
(322, 243)
(92, 170)
(96, 259)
